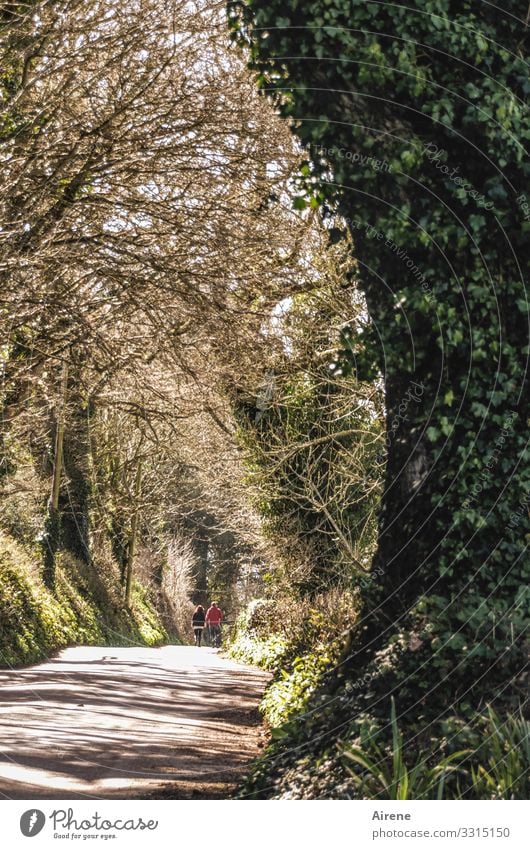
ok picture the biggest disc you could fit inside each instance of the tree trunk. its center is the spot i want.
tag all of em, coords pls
(52, 535)
(133, 535)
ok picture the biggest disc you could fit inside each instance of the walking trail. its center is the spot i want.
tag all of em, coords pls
(97, 722)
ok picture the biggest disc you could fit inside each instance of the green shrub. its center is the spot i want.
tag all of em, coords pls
(496, 768)
(384, 774)
(289, 693)
(268, 652)
(260, 616)
(293, 641)
(502, 766)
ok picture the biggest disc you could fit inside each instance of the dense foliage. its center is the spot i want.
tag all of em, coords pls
(414, 124)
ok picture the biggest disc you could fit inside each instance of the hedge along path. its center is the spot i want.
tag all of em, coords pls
(414, 126)
(97, 722)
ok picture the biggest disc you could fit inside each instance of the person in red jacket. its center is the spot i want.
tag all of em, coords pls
(214, 616)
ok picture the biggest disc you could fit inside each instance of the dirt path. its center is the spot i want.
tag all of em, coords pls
(176, 722)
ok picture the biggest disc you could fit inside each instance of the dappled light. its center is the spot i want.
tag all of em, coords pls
(115, 722)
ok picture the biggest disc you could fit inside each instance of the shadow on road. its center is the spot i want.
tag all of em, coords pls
(128, 723)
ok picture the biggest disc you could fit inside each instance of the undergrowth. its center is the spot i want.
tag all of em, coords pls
(84, 608)
(486, 759)
(323, 748)
(294, 642)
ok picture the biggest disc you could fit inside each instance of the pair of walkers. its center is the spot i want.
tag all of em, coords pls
(211, 620)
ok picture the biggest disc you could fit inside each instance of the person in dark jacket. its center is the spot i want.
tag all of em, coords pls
(197, 623)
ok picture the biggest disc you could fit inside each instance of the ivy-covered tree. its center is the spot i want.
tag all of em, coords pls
(413, 119)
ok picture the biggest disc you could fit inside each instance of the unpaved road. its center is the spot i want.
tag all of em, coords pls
(100, 722)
